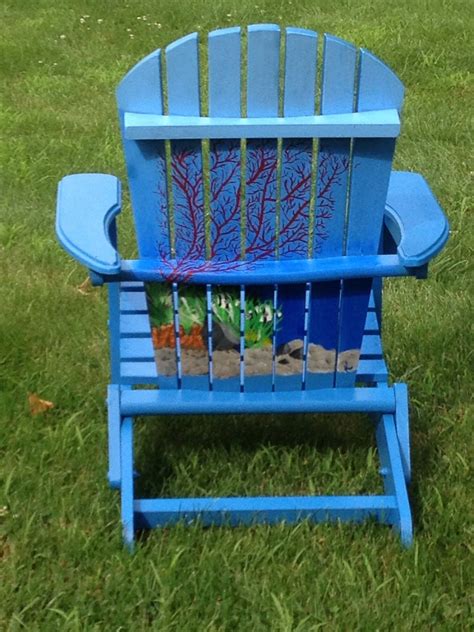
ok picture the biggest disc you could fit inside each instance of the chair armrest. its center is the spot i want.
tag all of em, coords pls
(414, 219)
(87, 204)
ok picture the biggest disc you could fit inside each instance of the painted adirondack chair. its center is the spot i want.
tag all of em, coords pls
(260, 260)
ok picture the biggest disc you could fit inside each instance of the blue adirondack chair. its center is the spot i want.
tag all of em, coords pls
(279, 272)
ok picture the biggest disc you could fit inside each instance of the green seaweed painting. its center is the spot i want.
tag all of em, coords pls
(226, 315)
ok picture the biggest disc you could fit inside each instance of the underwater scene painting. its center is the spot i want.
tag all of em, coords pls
(274, 328)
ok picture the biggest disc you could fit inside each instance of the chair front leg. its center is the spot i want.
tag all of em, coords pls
(394, 477)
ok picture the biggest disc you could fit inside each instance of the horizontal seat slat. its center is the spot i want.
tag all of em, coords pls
(136, 349)
(371, 371)
(134, 325)
(132, 286)
(373, 124)
(371, 346)
(138, 372)
(371, 324)
(133, 302)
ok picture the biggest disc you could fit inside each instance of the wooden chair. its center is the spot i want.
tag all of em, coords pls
(267, 225)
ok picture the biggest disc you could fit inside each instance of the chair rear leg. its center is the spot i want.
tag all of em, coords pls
(127, 487)
(394, 476)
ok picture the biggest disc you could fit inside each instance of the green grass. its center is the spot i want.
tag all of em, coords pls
(62, 562)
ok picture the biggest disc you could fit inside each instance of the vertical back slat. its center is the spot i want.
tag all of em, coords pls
(182, 63)
(209, 317)
(379, 86)
(263, 70)
(337, 97)
(242, 306)
(263, 79)
(260, 199)
(224, 183)
(161, 313)
(224, 72)
(188, 201)
(371, 166)
(140, 91)
(225, 200)
(261, 169)
(307, 312)
(378, 89)
(177, 333)
(295, 196)
(274, 334)
(337, 93)
(295, 188)
(300, 72)
(224, 168)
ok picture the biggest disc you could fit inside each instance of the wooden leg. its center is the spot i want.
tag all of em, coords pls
(113, 393)
(126, 445)
(402, 423)
(113, 406)
(394, 477)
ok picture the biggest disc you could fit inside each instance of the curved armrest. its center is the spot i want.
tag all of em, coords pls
(414, 219)
(87, 205)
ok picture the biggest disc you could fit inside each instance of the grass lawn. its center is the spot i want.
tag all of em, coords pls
(61, 557)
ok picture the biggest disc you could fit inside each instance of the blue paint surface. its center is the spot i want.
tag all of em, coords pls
(225, 200)
(295, 196)
(188, 200)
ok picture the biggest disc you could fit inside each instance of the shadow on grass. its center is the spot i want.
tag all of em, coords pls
(198, 455)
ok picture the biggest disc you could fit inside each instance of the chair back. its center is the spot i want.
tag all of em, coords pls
(269, 183)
